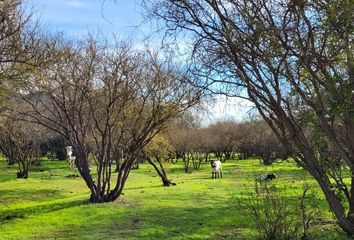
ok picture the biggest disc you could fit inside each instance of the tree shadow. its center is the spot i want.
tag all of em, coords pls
(202, 222)
(11, 214)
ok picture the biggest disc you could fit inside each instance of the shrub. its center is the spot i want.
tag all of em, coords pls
(276, 215)
(309, 209)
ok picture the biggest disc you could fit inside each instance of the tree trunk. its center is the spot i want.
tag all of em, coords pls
(336, 206)
(10, 161)
(22, 173)
(161, 171)
(22, 169)
(267, 159)
(310, 163)
(227, 155)
(117, 165)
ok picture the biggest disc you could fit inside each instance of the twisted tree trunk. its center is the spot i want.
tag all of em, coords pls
(160, 171)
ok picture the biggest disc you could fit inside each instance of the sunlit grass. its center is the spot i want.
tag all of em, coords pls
(51, 205)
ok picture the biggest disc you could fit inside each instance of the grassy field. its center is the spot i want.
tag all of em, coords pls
(51, 205)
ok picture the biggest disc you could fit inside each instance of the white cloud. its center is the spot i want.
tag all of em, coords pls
(75, 4)
(226, 108)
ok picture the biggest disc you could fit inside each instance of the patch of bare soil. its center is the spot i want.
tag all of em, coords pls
(127, 201)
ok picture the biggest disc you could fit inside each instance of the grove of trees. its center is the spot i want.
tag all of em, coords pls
(225, 140)
(114, 104)
(106, 100)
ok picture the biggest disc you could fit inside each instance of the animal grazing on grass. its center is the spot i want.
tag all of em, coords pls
(216, 169)
(267, 177)
(70, 156)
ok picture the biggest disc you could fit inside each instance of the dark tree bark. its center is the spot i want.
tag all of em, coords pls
(186, 163)
(160, 170)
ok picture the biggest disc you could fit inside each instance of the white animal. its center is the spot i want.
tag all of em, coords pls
(216, 169)
(70, 156)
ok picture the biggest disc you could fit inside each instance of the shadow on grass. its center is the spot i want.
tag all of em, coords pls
(8, 173)
(26, 194)
(8, 176)
(200, 222)
(46, 165)
(11, 214)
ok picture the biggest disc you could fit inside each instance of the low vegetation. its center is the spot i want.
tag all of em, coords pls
(53, 203)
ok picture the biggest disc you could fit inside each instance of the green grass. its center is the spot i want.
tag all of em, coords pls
(50, 205)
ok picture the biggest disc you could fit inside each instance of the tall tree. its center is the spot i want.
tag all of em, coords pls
(20, 141)
(105, 99)
(295, 61)
(159, 149)
(223, 139)
(18, 55)
(18, 39)
(255, 137)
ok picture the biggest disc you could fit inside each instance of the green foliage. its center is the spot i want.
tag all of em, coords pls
(308, 207)
(159, 147)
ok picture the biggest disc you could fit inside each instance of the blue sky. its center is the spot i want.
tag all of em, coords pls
(124, 19)
(77, 17)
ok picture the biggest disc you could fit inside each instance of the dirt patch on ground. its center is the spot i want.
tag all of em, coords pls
(127, 201)
(230, 233)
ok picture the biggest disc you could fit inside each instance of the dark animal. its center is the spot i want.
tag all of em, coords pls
(267, 177)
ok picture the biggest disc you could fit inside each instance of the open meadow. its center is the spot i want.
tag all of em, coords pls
(53, 203)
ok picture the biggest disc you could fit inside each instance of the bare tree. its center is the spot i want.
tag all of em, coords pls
(223, 139)
(245, 146)
(197, 150)
(178, 132)
(7, 144)
(294, 59)
(159, 149)
(105, 99)
(179, 139)
(18, 41)
(190, 144)
(20, 141)
(255, 138)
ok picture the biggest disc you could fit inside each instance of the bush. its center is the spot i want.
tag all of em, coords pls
(275, 215)
(309, 209)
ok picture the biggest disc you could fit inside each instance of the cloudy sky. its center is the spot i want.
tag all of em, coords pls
(123, 19)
